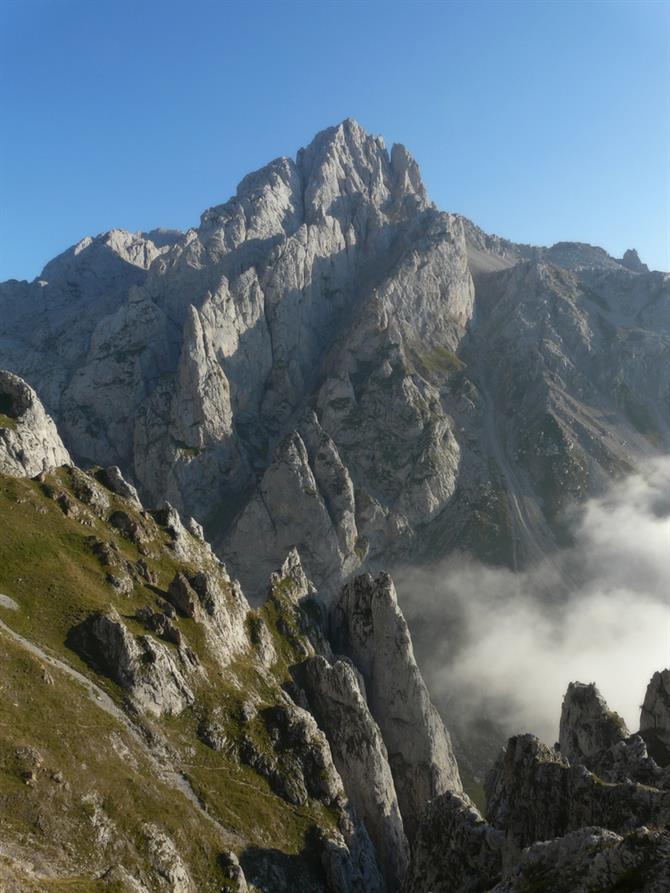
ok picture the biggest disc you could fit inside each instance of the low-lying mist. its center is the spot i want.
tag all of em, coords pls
(505, 645)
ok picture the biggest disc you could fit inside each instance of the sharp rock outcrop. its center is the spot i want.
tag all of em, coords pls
(29, 441)
(360, 755)
(587, 724)
(368, 626)
(655, 715)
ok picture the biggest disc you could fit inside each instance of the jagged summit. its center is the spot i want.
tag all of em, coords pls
(341, 162)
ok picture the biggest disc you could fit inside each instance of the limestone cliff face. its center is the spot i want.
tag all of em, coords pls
(454, 849)
(360, 755)
(533, 793)
(587, 724)
(192, 358)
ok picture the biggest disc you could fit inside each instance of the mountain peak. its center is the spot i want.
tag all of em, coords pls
(342, 170)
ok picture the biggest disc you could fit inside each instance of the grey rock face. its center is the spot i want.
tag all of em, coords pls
(113, 479)
(233, 872)
(594, 859)
(550, 824)
(140, 665)
(361, 759)
(305, 767)
(587, 725)
(29, 441)
(655, 715)
(185, 545)
(287, 510)
(301, 767)
(534, 794)
(454, 849)
(182, 596)
(368, 626)
(348, 861)
(596, 737)
(187, 361)
(631, 260)
(171, 875)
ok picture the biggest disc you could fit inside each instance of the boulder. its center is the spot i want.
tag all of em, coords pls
(140, 665)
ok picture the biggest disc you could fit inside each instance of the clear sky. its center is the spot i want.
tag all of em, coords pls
(541, 121)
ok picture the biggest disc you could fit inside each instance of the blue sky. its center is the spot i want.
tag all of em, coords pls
(540, 121)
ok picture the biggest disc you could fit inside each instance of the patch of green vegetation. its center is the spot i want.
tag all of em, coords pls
(616, 718)
(7, 421)
(475, 791)
(68, 769)
(361, 547)
(435, 361)
(282, 620)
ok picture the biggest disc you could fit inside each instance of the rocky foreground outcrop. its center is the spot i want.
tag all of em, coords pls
(335, 697)
(29, 441)
(296, 741)
(655, 718)
(552, 821)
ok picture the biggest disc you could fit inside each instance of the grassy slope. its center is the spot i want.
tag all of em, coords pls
(106, 780)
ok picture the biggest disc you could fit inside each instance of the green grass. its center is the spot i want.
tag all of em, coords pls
(94, 756)
(48, 567)
(436, 360)
(7, 421)
(475, 791)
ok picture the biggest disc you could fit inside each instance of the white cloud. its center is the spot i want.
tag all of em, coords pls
(507, 644)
